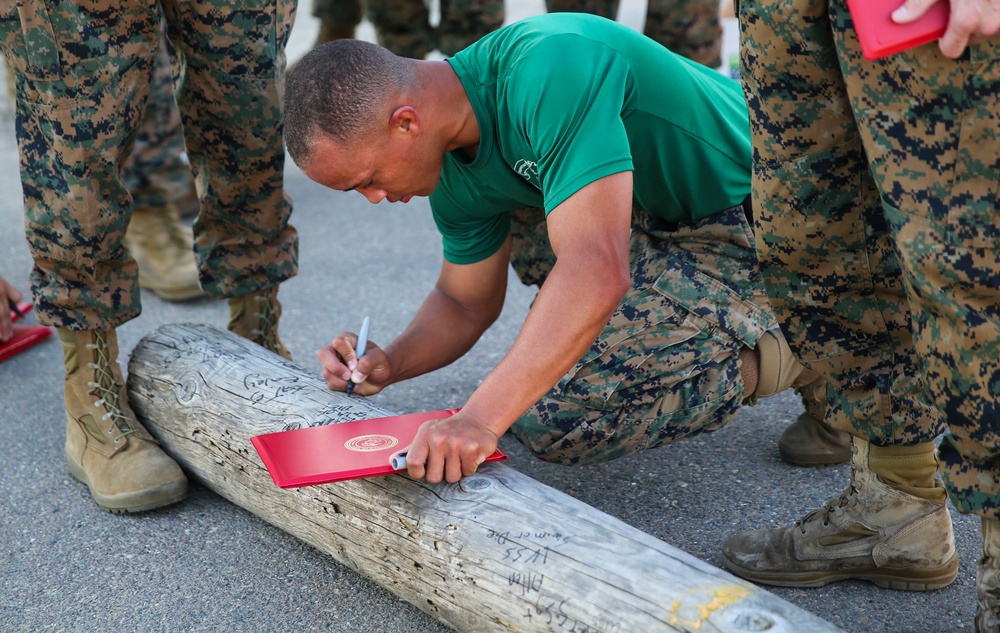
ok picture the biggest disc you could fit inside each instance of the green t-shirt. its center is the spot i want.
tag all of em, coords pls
(565, 99)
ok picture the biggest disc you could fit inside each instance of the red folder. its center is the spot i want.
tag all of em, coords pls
(880, 36)
(24, 307)
(24, 337)
(348, 450)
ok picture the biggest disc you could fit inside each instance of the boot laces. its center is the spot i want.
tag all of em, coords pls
(989, 589)
(836, 506)
(106, 388)
(267, 322)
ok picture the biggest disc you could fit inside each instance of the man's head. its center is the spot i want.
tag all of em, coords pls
(350, 122)
(342, 90)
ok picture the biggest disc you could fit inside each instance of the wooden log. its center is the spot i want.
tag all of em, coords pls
(497, 551)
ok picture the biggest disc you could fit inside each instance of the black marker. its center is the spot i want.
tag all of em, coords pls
(13, 306)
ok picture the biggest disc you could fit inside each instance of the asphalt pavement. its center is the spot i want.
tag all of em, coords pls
(208, 565)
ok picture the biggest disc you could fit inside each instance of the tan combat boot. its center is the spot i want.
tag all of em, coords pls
(874, 531)
(106, 447)
(988, 579)
(809, 441)
(163, 248)
(255, 317)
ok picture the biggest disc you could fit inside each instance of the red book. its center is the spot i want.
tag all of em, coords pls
(348, 450)
(24, 337)
(880, 36)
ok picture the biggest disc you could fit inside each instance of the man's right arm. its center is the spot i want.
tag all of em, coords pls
(465, 301)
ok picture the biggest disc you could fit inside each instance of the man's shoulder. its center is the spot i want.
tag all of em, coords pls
(548, 32)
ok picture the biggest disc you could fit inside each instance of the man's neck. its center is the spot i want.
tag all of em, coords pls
(450, 105)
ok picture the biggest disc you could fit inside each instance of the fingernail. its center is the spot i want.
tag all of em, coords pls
(900, 14)
(352, 364)
(357, 378)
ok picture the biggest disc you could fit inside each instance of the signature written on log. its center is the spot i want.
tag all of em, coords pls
(528, 581)
(264, 389)
(530, 551)
(528, 556)
(552, 612)
(502, 538)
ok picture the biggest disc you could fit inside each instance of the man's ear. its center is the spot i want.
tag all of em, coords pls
(405, 119)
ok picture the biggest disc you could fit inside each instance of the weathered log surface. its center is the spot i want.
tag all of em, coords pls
(498, 551)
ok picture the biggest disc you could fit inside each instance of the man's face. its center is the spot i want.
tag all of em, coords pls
(395, 166)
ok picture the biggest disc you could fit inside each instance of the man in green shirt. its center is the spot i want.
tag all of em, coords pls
(650, 323)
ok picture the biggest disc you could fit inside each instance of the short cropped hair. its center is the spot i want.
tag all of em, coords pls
(340, 89)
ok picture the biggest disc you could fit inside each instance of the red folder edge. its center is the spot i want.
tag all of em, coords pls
(281, 451)
(25, 307)
(25, 336)
(880, 37)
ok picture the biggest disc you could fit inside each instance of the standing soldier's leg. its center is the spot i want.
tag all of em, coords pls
(159, 179)
(687, 27)
(604, 8)
(827, 258)
(936, 159)
(463, 22)
(11, 88)
(232, 61)
(338, 19)
(79, 103)
(402, 26)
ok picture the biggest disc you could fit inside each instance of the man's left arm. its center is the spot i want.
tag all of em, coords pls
(589, 233)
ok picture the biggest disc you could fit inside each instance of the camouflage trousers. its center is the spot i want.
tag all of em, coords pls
(404, 26)
(342, 13)
(83, 70)
(687, 27)
(156, 172)
(875, 188)
(666, 366)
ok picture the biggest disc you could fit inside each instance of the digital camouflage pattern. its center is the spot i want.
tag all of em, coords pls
(345, 14)
(83, 74)
(156, 172)
(875, 187)
(404, 26)
(666, 365)
(687, 27)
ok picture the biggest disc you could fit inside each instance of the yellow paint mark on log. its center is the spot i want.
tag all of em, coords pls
(721, 598)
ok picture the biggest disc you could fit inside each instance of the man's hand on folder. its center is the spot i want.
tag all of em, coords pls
(341, 364)
(971, 21)
(449, 449)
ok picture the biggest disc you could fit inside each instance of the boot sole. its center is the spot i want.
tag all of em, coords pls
(131, 502)
(821, 459)
(903, 579)
(172, 294)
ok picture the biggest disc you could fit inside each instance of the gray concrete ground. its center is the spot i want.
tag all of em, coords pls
(207, 565)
